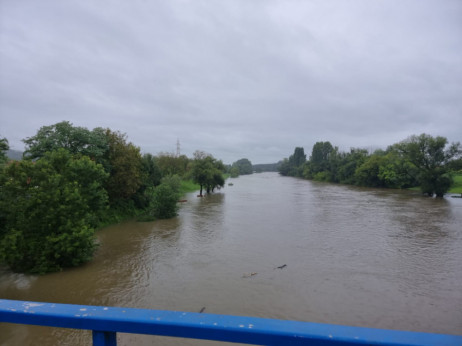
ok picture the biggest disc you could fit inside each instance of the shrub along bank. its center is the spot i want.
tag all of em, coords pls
(72, 180)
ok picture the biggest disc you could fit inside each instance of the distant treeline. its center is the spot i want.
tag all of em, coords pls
(424, 161)
(266, 167)
(244, 166)
(72, 180)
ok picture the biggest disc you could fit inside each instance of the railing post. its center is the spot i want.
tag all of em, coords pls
(104, 338)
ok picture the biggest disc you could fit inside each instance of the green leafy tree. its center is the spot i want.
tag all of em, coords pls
(164, 202)
(244, 166)
(284, 167)
(218, 181)
(150, 177)
(396, 172)
(367, 174)
(294, 165)
(3, 151)
(296, 162)
(151, 169)
(383, 169)
(348, 164)
(207, 172)
(319, 159)
(165, 198)
(431, 157)
(298, 158)
(170, 164)
(234, 172)
(125, 168)
(76, 140)
(50, 208)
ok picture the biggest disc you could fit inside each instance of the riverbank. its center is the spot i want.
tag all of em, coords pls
(457, 187)
(188, 186)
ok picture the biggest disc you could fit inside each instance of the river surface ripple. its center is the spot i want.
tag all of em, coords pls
(354, 256)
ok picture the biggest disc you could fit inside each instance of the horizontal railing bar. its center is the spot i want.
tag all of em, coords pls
(250, 330)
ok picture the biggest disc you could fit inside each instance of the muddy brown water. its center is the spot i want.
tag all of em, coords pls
(354, 256)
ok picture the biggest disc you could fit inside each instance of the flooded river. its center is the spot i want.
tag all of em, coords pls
(354, 256)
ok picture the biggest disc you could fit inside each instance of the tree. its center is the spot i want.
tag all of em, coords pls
(244, 166)
(49, 209)
(385, 169)
(76, 140)
(125, 164)
(298, 158)
(207, 172)
(170, 164)
(218, 181)
(348, 164)
(284, 167)
(319, 159)
(164, 202)
(150, 177)
(368, 173)
(3, 151)
(234, 172)
(294, 165)
(431, 156)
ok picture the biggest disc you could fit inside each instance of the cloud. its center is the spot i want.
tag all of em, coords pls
(235, 78)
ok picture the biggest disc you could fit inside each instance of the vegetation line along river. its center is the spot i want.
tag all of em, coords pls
(353, 256)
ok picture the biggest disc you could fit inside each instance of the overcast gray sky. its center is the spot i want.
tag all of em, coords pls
(235, 78)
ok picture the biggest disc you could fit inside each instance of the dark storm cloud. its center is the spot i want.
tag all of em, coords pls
(234, 78)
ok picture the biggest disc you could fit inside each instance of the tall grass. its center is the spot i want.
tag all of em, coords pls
(188, 186)
(457, 186)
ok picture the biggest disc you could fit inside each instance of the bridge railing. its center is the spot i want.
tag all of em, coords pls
(105, 322)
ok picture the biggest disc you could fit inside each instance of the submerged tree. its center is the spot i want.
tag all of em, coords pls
(207, 172)
(165, 197)
(49, 211)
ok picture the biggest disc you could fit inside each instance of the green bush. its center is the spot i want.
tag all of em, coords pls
(49, 209)
(163, 199)
(165, 202)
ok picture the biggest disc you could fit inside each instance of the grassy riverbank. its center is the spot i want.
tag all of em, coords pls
(457, 187)
(188, 186)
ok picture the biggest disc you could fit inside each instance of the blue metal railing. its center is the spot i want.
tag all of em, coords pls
(105, 322)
